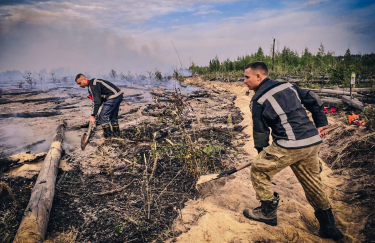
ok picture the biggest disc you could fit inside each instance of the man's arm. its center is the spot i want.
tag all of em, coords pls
(96, 93)
(313, 104)
(261, 132)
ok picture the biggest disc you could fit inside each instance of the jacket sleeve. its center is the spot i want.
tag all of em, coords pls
(261, 132)
(96, 93)
(313, 104)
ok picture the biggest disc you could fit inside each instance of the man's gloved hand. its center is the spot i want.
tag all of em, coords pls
(259, 149)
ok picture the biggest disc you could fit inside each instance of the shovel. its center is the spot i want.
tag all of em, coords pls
(86, 136)
(207, 178)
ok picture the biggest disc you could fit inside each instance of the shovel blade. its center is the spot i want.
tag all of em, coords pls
(84, 141)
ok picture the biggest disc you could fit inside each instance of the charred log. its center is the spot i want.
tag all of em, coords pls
(31, 114)
(33, 226)
(29, 100)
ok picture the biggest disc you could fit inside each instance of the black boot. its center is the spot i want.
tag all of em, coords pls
(266, 213)
(328, 227)
(106, 133)
(116, 130)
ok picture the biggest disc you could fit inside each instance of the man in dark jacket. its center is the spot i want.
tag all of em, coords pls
(104, 93)
(296, 142)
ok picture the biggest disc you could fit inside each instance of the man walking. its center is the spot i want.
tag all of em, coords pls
(296, 142)
(104, 93)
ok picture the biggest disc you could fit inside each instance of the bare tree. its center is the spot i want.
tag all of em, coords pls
(113, 74)
(28, 78)
(53, 77)
(158, 75)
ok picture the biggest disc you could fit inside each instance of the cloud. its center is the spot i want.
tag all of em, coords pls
(98, 36)
(311, 3)
(207, 12)
(233, 37)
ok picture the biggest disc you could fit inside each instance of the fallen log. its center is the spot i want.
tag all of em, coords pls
(331, 91)
(333, 102)
(31, 114)
(351, 102)
(33, 226)
(23, 101)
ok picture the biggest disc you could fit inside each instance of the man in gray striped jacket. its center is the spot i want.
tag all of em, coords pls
(104, 93)
(296, 142)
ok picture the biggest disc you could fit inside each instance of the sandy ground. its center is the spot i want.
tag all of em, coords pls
(217, 217)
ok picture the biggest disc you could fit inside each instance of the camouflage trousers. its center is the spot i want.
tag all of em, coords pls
(305, 165)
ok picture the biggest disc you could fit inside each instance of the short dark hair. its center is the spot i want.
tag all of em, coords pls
(78, 76)
(261, 66)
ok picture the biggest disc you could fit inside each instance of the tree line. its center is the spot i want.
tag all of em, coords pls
(305, 66)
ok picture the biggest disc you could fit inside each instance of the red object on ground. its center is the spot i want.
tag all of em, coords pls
(329, 110)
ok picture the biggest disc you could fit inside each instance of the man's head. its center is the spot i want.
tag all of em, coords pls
(255, 73)
(82, 81)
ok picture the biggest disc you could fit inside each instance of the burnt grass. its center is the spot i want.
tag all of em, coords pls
(356, 157)
(156, 165)
(14, 196)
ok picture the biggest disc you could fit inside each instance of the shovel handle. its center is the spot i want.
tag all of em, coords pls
(232, 171)
(90, 129)
(244, 166)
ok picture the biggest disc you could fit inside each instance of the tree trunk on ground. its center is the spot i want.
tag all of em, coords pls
(333, 102)
(34, 223)
(331, 91)
(353, 103)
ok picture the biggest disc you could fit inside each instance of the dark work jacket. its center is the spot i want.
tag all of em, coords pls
(101, 91)
(278, 105)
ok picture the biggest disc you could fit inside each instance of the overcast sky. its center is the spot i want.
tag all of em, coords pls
(131, 35)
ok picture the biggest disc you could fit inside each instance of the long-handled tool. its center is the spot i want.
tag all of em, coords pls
(207, 178)
(86, 136)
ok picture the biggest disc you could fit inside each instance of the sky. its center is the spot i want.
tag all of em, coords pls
(93, 36)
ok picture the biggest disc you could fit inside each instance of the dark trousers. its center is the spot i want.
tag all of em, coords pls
(110, 110)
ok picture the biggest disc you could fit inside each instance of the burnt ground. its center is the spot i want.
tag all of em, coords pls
(167, 142)
(188, 134)
(350, 152)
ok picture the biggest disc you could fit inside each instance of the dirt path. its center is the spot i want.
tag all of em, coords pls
(218, 217)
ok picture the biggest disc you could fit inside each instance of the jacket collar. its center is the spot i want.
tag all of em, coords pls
(263, 81)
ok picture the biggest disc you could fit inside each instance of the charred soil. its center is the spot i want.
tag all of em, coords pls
(133, 188)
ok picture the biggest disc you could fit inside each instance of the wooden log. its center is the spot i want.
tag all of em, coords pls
(31, 114)
(331, 91)
(351, 102)
(333, 102)
(34, 223)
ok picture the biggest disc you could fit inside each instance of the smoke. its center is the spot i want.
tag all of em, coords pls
(15, 138)
(81, 48)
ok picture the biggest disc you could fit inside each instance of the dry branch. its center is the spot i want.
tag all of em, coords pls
(113, 191)
(33, 226)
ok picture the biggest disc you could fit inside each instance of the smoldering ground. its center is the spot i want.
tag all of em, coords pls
(159, 175)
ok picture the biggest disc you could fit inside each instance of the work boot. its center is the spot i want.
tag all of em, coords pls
(328, 227)
(106, 133)
(266, 213)
(116, 130)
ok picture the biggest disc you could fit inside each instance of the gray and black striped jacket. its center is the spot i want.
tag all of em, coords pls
(278, 105)
(101, 91)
